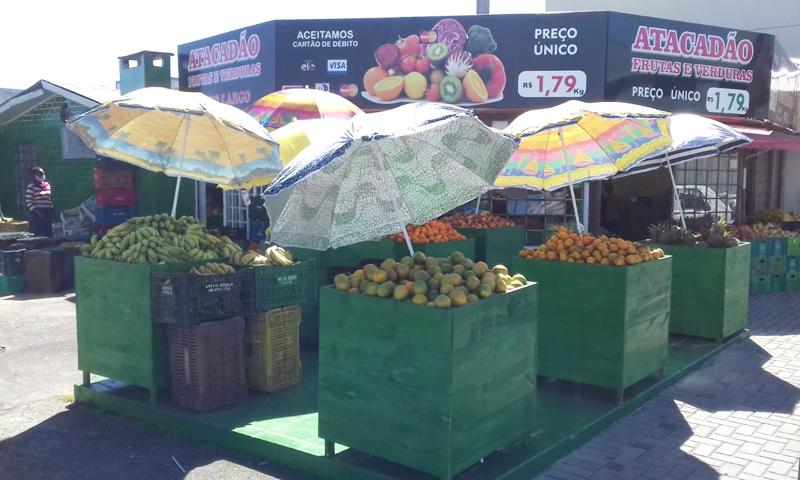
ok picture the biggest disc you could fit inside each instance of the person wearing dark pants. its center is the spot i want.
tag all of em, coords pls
(39, 202)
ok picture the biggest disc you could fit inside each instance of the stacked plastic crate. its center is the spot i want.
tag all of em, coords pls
(793, 263)
(759, 271)
(205, 328)
(114, 193)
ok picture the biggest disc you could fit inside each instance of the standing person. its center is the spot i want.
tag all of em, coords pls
(39, 202)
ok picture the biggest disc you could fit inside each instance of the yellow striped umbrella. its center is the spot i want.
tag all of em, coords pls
(182, 134)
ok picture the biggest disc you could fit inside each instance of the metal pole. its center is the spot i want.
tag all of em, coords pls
(183, 153)
(677, 197)
(586, 204)
(579, 225)
(382, 162)
(482, 7)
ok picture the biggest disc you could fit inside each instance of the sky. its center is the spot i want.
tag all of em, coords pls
(78, 42)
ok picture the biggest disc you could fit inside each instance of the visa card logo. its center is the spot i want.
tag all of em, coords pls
(337, 66)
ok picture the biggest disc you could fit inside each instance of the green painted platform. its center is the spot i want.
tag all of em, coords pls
(282, 427)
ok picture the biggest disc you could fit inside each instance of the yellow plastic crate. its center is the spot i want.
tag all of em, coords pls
(272, 339)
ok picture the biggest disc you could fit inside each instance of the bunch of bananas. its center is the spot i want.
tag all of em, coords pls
(275, 256)
(160, 238)
(213, 269)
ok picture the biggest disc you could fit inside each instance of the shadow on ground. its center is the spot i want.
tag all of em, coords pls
(86, 444)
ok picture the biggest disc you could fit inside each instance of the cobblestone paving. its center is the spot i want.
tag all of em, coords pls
(737, 417)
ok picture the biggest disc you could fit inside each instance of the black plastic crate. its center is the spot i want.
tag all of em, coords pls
(12, 262)
(44, 271)
(188, 298)
(207, 364)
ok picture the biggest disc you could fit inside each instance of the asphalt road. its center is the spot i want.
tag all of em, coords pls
(44, 435)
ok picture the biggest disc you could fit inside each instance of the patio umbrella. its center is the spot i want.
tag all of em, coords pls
(182, 134)
(296, 136)
(285, 106)
(693, 137)
(403, 166)
(576, 141)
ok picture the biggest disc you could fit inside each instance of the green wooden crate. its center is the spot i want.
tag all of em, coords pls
(440, 250)
(792, 281)
(11, 284)
(709, 290)
(354, 255)
(601, 325)
(116, 337)
(432, 389)
(496, 245)
(759, 284)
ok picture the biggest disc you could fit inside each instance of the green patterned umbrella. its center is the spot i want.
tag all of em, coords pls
(403, 166)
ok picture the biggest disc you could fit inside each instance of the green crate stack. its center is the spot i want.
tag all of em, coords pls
(777, 265)
(792, 264)
(777, 282)
(793, 246)
(793, 280)
(759, 284)
(759, 249)
(776, 247)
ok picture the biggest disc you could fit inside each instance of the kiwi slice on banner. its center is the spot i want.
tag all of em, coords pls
(437, 52)
(450, 89)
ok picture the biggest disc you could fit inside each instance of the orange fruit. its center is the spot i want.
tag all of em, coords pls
(372, 77)
(389, 88)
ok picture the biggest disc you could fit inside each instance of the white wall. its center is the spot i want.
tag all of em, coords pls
(777, 17)
(790, 183)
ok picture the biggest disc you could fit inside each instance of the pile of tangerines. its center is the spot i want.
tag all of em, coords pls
(568, 246)
(431, 232)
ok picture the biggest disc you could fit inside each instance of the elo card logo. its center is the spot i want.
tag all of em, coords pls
(337, 66)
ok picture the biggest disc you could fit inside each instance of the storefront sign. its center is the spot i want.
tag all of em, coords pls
(505, 61)
(236, 68)
(684, 67)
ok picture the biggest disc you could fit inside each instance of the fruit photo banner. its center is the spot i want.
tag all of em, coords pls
(472, 61)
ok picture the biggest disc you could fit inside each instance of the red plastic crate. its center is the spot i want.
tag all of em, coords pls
(113, 178)
(115, 197)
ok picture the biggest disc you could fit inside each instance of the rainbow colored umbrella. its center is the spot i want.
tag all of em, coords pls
(576, 142)
(285, 106)
(296, 136)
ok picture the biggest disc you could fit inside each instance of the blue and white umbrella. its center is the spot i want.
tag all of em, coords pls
(385, 170)
(693, 137)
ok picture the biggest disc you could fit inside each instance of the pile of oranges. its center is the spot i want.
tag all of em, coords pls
(431, 232)
(567, 246)
(469, 220)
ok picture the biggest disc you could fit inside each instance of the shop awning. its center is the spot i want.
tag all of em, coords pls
(766, 135)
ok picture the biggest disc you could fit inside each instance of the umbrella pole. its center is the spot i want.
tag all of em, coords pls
(569, 180)
(382, 161)
(183, 154)
(477, 205)
(677, 197)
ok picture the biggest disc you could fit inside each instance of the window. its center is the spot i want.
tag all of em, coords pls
(234, 211)
(539, 213)
(72, 146)
(707, 187)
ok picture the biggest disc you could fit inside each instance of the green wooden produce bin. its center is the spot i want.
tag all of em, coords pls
(601, 325)
(496, 245)
(354, 255)
(431, 389)
(11, 284)
(439, 250)
(709, 290)
(116, 336)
